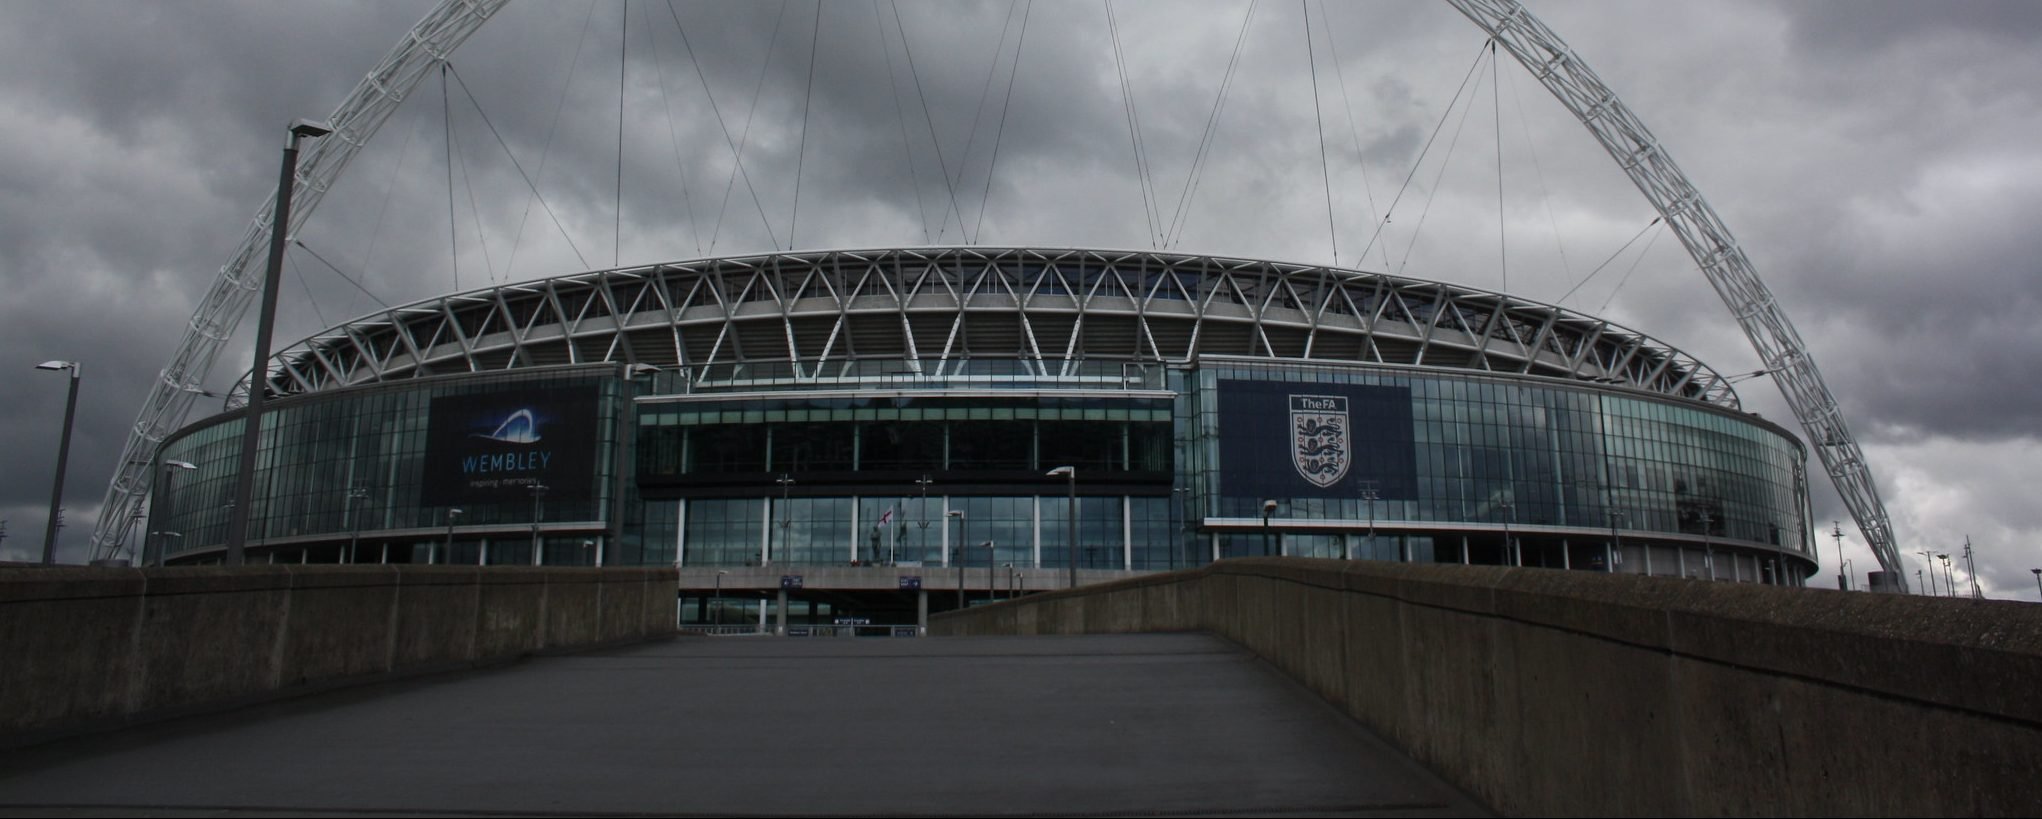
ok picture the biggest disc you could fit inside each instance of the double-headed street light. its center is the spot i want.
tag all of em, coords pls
(63, 457)
(1070, 476)
(170, 470)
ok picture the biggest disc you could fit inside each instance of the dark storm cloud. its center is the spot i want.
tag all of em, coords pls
(1875, 161)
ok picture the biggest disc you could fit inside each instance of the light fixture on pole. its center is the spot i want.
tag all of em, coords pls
(1070, 476)
(959, 515)
(452, 514)
(538, 496)
(923, 523)
(1935, 585)
(1949, 578)
(170, 470)
(1368, 494)
(786, 546)
(1268, 508)
(2038, 579)
(355, 496)
(1509, 543)
(718, 607)
(258, 375)
(991, 590)
(1836, 531)
(63, 458)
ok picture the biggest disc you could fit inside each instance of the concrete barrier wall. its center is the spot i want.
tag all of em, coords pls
(87, 648)
(1550, 692)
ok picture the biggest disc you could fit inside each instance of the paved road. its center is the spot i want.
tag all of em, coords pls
(1139, 724)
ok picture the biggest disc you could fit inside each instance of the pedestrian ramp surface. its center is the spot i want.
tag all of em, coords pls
(1162, 724)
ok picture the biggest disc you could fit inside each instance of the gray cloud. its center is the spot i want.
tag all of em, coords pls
(1875, 160)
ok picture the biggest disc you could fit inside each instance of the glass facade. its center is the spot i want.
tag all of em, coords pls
(341, 477)
(1443, 465)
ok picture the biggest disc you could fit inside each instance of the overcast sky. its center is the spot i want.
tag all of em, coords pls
(1876, 160)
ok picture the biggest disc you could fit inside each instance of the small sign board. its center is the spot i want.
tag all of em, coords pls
(790, 581)
(911, 583)
(793, 631)
(853, 621)
(907, 631)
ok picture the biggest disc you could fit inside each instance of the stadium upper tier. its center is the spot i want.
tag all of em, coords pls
(924, 312)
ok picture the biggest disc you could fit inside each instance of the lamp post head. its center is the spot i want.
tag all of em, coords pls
(636, 370)
(185, 466)
(455, 513)
(957, 513)
(60, 365)
(308, 129)
(1268, 508)
(1064, 472)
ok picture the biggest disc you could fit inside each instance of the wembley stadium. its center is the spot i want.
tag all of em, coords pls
(901, 411)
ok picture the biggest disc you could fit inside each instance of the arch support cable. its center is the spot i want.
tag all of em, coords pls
(1708, 240)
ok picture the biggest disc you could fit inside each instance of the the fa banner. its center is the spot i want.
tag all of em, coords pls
(1320, 446)
(1298, 440)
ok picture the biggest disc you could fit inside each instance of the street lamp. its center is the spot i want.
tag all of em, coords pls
(786, 547)
(170, 470)
(251, 416)
(1935, 585)
(538, 495)
(452, 514)
(63, 457)
(923, 515)
(1609, 562)
(1368, 493)
(991, 590)
(1510, 544)
(1949, 578)
(959, 515)
(717, 617)
(1836, 531)
(1070, 476)
(2038, 579)
(355, 496)
(1268, 508)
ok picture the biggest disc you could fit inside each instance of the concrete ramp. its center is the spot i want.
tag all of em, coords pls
(1149, 724)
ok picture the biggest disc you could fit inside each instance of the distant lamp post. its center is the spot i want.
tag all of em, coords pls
(452, 515)
(63, 458)
(1935, 586)
(1070, 476)
(355, 496)
(170, 470)
(1368, 495)
(959, 515)
(1836, 531)
(2038, 580)
(992, 590)
(538, 498)
(1268, 508)
(1949, 578)
(1844, 572)
(1510, 544)
(923, 522)
(251, 415)
(786, 545)
(717, 608)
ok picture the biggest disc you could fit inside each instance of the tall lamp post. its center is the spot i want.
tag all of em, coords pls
(959, 515)
(1836, 531)
(538, 497)
(924, 482)
(63, 458)
(786, 547)
(355, 496)
(1368, 494)
(251, 415)
(2038, 579)
(1070, 476)
(718, 607)
(1935, 585)
(1949, 578)
(170, 470)
(1510, 543)
(452, 515)
(1268, 508)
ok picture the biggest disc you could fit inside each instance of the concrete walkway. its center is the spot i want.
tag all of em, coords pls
(1017, 726)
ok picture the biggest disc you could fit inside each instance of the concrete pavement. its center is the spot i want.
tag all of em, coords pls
(1156, 724)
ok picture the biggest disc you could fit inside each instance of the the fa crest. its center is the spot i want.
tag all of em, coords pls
(1320, 447)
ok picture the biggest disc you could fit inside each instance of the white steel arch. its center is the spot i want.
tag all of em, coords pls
(1706, 238)
(1534, 45)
